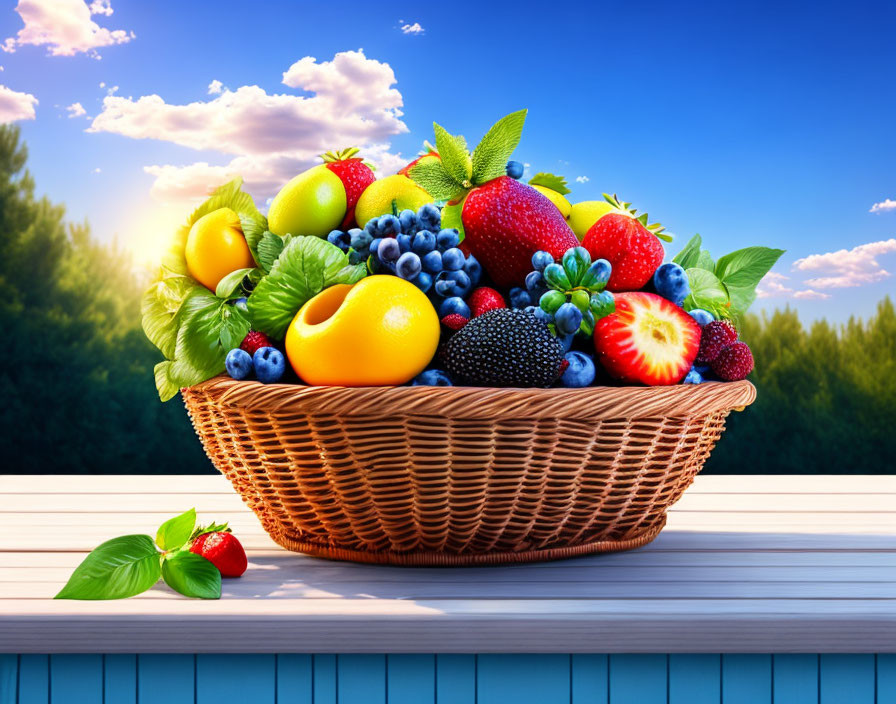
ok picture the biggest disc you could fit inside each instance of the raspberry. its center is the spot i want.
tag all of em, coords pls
(484, 299)
(734, 362)
(255, 341)
(715, 337)
(454, 321)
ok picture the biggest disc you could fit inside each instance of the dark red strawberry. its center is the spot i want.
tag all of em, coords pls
(630, 245)
(716, 336)
(734, 362)
(647, 340)
(254, 341)
(454, 321)
(484, 299)
(506, 222)
(353, 172)
(223, 550)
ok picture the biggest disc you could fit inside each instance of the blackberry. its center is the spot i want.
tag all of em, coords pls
(504, 347)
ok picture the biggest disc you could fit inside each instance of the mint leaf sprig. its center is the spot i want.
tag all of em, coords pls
(131, 564)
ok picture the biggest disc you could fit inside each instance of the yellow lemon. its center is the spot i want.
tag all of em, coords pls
(556, 198)
(583, 215)
(378, 197)
(215, 247)
(313, 203)
(381, 331)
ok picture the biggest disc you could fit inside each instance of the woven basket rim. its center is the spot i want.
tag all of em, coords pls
(482, 402)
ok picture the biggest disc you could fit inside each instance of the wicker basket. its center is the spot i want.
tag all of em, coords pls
(460, 476)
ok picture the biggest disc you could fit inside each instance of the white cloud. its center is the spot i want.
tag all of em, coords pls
(102, 84)
(97, 170)
(270, 137)
(847, 268)
(112, 90)
(582, 179)
(882, 207)
(76, 110)
(215, 87)
(773, 286)
(412, 28)
(16, 106)
(810, 295)
(65, 27)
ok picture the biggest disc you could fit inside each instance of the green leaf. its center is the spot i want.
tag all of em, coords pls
(117, 569)
(166, 387)
(191, 575)
(742, 270)
(704, 261)
(451, 218)
(491, 154)
(269, 248)
(176, 531)
(159, 307)
(687, 257)
(306, 267)
(209, 330)
(231, 285)
(707, 292)
(350, 274)
(253, 225)
(552, 181)
(454, 154)
(432, 177)
(210, 528)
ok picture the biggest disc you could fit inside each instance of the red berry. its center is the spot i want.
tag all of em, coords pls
(355, 176)
(454, 321)
(734, 362)
(254, 341)
(484, 299)
(223, 550)
(633, 251)
(716, 336)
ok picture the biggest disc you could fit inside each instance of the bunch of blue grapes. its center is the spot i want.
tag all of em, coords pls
(414, 247)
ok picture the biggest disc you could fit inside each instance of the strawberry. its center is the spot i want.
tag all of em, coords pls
(354, 174)
(254, 341)
(504, 222)
(429, 151)
(484, 299)
(223, 550)
(647, 340)
(734, 362)
(630, 245)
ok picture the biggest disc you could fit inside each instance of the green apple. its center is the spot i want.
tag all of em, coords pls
(313, 203)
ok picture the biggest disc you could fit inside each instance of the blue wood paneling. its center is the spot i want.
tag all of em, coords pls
(238, 678)
(590, 679)
(522, 678)
(638, 679)
(411, 679)
(9, 676)
(34, 679)
(795, 679)
(747, 679)
(361, 679)
(323, 679)
(846, 678)
(695, 679)
(166, 679)
(294, 679)
(455, 679)
(120, 679)
(886, 678)
(79, 676)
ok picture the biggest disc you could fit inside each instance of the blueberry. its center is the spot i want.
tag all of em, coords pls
(432, 262)
(671, 282)
(359, 239)
(389, 225)
(447, 239)
(432, 377)
(404, 243)
(423, 281)
(453, 259)
(374, 245)
(473, 269)
(238, 364)
(340, 239)
(519, 298)
(269, 364)
(541, 259)
(423, 242)
(388, 251)
(454, 304)
(531, 309)
(356, 257)
(535, 283)
(429, 217)
(514, 169)
(693, 377)
(408, 221)
(408, 266)
(580, 371)
(566, 342)
(701, 316)
(373, 227)
(452, 283)
(542, 315)
(242, 304)
(568, 318)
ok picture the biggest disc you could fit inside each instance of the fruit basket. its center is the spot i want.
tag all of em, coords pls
(416, 475)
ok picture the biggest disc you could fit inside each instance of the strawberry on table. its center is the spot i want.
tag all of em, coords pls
(223, 550)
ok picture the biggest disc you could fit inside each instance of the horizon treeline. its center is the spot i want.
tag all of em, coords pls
(79, 397)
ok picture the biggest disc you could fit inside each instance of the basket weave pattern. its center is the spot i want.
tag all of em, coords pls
(450, 475)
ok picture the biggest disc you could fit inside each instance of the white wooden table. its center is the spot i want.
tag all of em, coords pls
(746, 564)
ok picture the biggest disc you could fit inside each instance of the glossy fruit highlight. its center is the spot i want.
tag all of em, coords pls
(313, 203)
(215, 247)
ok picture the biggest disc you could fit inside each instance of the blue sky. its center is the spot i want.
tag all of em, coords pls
(750, 123)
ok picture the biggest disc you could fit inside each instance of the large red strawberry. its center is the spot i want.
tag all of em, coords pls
(631, 246)
(223, 550)
(428, 154)
(355, 176)
(647, 340)
(504, 222)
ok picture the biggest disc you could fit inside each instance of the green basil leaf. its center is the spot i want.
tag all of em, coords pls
(269, 248)
(306, 267)
(231, 285)
(707, 292)
(175, 532)
(742, 270)
(191, 575)
(491, 154)
(253, 225)
(454, 155)
(704, 261)
(433, 178)
(687, 257)
(117, 569)
(210, 328)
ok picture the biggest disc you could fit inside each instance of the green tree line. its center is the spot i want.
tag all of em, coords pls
(77, 393)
